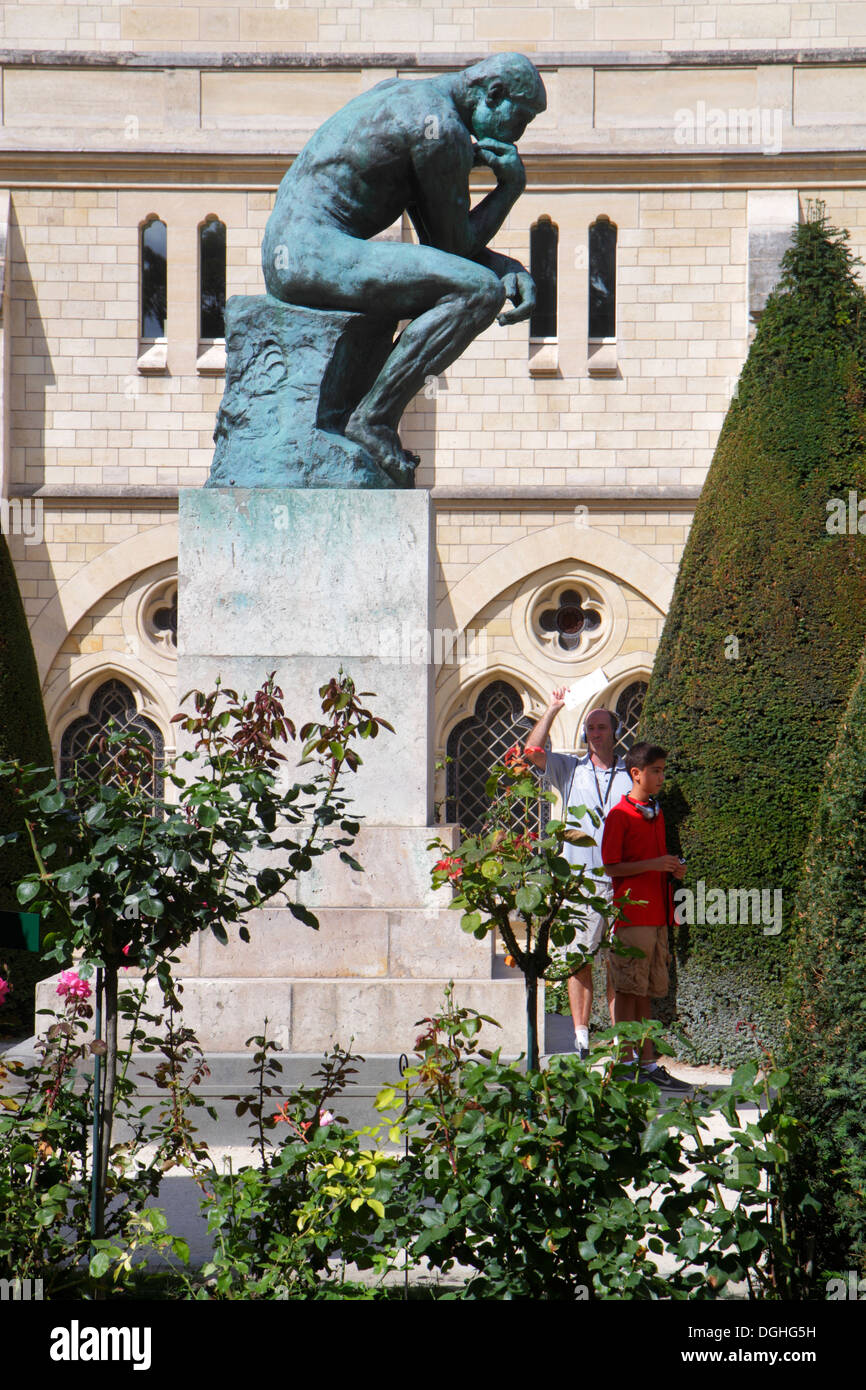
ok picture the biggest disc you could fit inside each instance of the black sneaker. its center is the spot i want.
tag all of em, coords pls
(663, 1079)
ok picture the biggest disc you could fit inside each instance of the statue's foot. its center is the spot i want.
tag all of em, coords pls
(384, 447)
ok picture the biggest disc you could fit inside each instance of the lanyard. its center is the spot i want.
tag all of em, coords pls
(610, 776)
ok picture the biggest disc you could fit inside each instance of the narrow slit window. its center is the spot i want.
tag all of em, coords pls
(602, 279)
(212, 278)
(543, 251)
(153, 278)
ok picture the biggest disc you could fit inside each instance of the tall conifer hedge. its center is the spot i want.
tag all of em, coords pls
(23, 736)
(826, 1036)
(761, 645)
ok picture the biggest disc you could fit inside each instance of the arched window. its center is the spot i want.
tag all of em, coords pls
(474, 746)
(602, 279)
(212, 278)
(154, 241)
(628, 711)
(112, 702)
(543, 249)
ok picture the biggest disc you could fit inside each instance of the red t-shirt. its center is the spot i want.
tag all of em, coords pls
(629, 836)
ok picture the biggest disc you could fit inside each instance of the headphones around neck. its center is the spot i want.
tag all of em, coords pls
(648, 811)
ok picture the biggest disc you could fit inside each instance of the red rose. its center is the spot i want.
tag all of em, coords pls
(452, 866)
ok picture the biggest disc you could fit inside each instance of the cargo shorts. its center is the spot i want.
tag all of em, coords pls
(643, 975)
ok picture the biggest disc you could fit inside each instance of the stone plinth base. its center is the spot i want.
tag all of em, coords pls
(301, 583)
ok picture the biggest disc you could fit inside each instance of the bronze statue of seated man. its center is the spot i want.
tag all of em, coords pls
(408, 146)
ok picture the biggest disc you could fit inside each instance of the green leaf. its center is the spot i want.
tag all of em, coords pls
(96, 813)
(100, 1264)
(655, 1134)
(747, 1239)
(560, 868)
(70, 880)
(26, 892)
(528, 898)
(268, 882)
(470, 921)
(744, 1076)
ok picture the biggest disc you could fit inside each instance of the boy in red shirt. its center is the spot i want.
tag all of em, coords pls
(633, 850)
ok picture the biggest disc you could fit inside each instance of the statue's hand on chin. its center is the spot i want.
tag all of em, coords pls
(503, 159)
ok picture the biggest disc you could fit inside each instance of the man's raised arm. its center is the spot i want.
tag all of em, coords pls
(538, 735)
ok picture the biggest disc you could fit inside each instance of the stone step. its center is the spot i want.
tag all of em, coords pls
(232, 1075)
(311, 1015)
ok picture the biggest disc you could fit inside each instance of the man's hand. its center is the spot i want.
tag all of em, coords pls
(520, 289)
(557, 700)
(505, 162)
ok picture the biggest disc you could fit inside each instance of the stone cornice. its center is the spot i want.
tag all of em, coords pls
(252, 62)
(583, 171)
(626, 498)
(62, 494)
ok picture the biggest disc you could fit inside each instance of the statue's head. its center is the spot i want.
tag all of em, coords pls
(502, 94)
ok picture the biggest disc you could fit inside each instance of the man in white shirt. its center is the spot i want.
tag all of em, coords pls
(597, 780)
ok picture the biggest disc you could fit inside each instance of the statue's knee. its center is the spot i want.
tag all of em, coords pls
(489, 295)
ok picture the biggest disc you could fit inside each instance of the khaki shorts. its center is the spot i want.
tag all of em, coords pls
(643, 975)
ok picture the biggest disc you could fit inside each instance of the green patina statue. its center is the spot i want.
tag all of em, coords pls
(316, 383)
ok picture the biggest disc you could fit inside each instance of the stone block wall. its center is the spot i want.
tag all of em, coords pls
(592, 25)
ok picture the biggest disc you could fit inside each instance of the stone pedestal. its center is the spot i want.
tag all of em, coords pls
(302, 582)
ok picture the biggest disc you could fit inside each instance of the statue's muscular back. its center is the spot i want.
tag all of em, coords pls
(359, 172)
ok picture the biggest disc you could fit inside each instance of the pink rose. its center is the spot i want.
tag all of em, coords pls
(72, 986)
(4, 990)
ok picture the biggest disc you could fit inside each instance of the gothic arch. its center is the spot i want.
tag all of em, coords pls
(571, 541)
(77, 596)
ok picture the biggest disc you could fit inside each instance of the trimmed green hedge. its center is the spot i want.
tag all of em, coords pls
(826, 1036)
(761, 645)
(23, 736)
